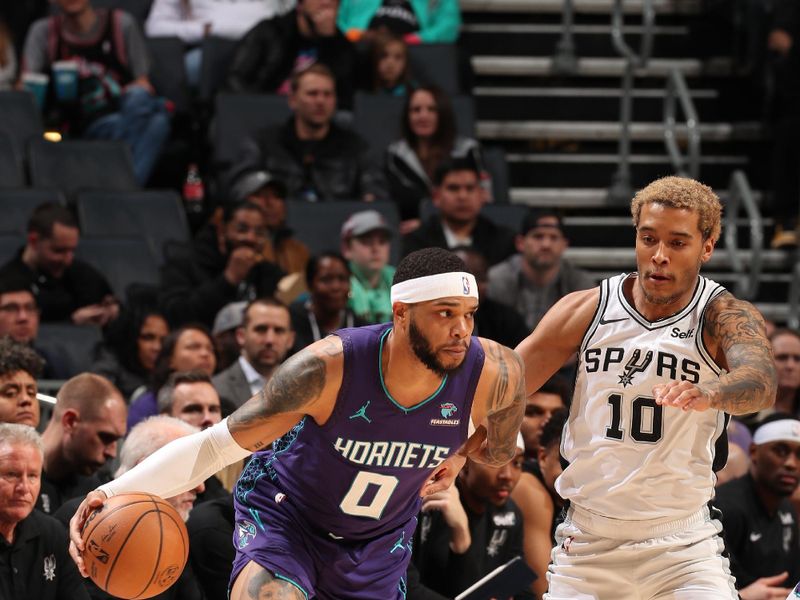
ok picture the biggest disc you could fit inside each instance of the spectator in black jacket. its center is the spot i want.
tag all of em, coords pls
(34, 562)
(759, 521)
(68, 288)
(459, 197)
(314, 157)
(220, 268)
(273, 49)
(470, 529)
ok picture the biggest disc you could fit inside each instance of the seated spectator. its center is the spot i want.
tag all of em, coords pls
(388, 61)
(8, 59)
(115, 99)
(470, 529)
(265, 338)
(19, 368)
(193, 20)
(428, 140)
(281, 248)
(142, 441)
(457, 194)
(277, 47)
(539, 502)
(416, 20)
(67, 288)
(540, 406)
(786, 349)
(222, 267)
(34, 546)
(223, 333)
(366, 243)
(190, 396)
(537, 276)
(185, 349)
(494, 320)
(211, 553)
(88, 420)
(325, 311)
(783, 42)
(759, 522)
(317, 159)
(130, 347)
(19, 319)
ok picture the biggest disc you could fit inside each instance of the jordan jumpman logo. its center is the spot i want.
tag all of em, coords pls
(399, 544)
(362, 412)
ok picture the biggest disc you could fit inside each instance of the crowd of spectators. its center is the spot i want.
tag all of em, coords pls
(244, 294)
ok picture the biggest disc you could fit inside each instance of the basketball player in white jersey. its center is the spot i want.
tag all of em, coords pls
(664, 355)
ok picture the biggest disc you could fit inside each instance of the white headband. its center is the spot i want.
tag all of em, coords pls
(433, 287)
(783, 430)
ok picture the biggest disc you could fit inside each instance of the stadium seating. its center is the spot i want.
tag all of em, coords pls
(318, 224)
(168, 71)
(154, 215)
(436, 64)
(76, 165)
(73, 344)
(11, 171)
(16, 206)
(239, 116)
(494, 159)
(20, 119)
(217, 55)
(123, 261)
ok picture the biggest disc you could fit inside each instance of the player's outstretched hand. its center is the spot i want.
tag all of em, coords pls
(443, 476)
(683, 395)
(92, 501)
(766, 588)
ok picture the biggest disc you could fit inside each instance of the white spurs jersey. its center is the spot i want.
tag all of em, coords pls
(630, 458)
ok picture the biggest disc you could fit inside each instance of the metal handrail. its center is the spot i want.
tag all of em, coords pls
(793, 319)
(620, 190)
(565, 60)
(677, 89)
(618, 38)
(740, 195)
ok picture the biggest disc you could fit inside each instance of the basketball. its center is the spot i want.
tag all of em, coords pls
(135, 546)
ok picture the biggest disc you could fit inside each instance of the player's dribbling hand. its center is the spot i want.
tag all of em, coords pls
(444, 476)
(92, 501)
(764, 588)
(683, 395)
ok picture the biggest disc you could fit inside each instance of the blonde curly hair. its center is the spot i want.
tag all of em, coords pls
(679, 192)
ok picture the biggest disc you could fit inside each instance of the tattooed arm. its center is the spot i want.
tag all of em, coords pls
(733, 332)
(306, 384)
(499, 404)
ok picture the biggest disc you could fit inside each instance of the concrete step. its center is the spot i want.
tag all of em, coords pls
(596, 170)
(590, 40)
(542, 66)
(611, 131)
(588, 199)
(683, 7)
(508, 103)
(622, 259)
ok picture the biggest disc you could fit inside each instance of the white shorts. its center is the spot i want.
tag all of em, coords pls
(608, 559)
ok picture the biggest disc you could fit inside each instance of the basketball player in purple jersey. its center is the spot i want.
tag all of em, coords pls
(347, 435)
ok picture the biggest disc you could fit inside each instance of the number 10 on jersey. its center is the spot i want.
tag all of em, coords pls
(645, 416)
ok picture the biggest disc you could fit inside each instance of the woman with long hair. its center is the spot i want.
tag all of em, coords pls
(187, 348)
(429, 138)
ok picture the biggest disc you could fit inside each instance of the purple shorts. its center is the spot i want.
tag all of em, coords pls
(273, 534)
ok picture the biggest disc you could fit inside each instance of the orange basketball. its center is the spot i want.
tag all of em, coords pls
(135, 546)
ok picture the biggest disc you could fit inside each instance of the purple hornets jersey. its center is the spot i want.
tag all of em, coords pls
(359, 475)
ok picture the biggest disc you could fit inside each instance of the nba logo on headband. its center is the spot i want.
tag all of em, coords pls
(465, 285)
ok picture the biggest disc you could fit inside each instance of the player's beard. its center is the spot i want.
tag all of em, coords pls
(424, 352)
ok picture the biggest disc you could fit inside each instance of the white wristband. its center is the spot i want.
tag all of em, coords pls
(181, 465)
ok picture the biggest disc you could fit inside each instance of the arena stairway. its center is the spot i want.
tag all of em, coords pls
(560, 132)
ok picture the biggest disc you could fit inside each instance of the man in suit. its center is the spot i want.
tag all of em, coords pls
(265, 338)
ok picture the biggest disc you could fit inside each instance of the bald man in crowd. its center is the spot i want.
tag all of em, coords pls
(88, 420)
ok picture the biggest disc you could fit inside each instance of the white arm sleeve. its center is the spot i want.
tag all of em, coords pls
(180, 465)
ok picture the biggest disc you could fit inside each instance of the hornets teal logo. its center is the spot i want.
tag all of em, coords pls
(448, 409)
